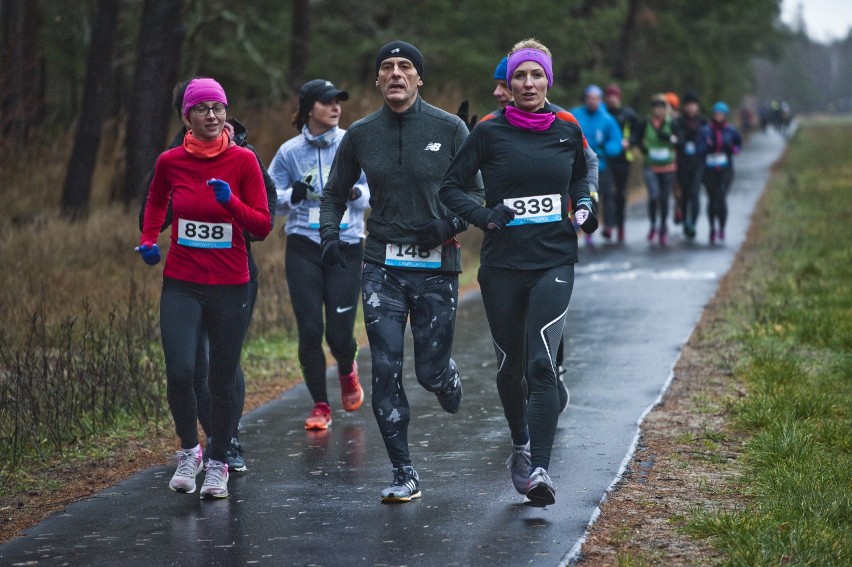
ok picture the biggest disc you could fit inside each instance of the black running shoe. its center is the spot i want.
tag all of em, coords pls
(451, 396)
(562, 387)
(405, 487)
(234, 456)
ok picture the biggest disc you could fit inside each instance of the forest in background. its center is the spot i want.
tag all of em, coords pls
(105, 69)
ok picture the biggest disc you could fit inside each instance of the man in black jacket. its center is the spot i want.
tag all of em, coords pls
(411, 256)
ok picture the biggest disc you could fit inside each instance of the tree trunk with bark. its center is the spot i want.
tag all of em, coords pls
(21, 74)
(621, 62)
(81, 166)
(157, 63)
(299, 45)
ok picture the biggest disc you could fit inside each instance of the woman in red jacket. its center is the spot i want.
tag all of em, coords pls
(216, 190)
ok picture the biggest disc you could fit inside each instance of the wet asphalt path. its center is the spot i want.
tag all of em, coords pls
(313, 498)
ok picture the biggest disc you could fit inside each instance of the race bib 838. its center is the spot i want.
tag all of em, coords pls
(199, 234)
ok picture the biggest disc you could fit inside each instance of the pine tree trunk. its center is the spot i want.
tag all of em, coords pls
(21, 74)
(81, 166)
(300, 44)
(621, 63)
(157, 63)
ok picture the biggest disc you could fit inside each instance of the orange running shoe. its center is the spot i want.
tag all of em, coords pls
(320, 417)
(351, 392)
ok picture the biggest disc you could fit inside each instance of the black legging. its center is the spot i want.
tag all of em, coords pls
(526, 312)
(200, 386)
(718, 181)
(391, 296)
(317, 290)
(689, 179)
(620, 174)
(185, 309)
(608, 198)
(659, 189)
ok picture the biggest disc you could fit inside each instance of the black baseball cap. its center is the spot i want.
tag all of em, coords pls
(318, 90)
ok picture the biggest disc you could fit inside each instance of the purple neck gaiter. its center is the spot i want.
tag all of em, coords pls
(535, 121)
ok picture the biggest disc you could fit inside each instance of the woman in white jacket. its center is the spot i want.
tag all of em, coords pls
(300, 169)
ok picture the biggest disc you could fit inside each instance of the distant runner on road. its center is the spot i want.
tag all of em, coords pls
(720, 142)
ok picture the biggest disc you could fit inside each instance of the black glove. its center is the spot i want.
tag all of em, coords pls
(355, 194)
(433, 232)
(462, 113)
(499, 217)
(300, 190)
(332, 252)
(586, 219)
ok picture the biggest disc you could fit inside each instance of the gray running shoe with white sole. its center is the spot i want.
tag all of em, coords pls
(541, 491)
(405, 487)
(215, 481)
(189, 465)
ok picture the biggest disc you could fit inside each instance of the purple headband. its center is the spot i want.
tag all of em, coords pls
(529, 54)
(202, 90)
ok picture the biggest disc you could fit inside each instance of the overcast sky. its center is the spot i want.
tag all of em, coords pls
(825, 20)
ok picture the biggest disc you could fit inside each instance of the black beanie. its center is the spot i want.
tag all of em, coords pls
(690, 96)
(400, 49)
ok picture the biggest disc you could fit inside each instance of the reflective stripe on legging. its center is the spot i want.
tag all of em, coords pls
(539, 299)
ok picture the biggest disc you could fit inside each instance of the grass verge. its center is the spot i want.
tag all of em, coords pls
(796, 366)
(747, 459)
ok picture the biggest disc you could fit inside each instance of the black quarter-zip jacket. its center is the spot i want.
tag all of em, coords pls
(404, 156)
(517, 163)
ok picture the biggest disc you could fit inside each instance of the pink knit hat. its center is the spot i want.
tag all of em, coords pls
(201, 90)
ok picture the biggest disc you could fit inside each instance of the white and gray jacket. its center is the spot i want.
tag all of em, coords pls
(307, 155)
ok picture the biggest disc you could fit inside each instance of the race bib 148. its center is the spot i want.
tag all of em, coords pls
(412, 256)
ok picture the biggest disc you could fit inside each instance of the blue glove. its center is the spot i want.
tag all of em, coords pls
(221, 189)
(150, 253)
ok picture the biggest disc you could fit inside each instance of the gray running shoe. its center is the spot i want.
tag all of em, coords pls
(405, 487)
(519, 464)
(451, 396)
(189, 465)
(215, 481)
(562, 387)
(541, 491)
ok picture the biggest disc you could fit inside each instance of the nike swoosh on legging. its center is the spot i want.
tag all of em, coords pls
(344, 309)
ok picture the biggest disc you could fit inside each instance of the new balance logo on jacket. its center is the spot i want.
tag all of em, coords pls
(433, 147)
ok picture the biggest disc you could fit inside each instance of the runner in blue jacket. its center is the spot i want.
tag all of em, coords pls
(604, 137)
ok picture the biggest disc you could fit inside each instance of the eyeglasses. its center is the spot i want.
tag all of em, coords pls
(202, 110)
